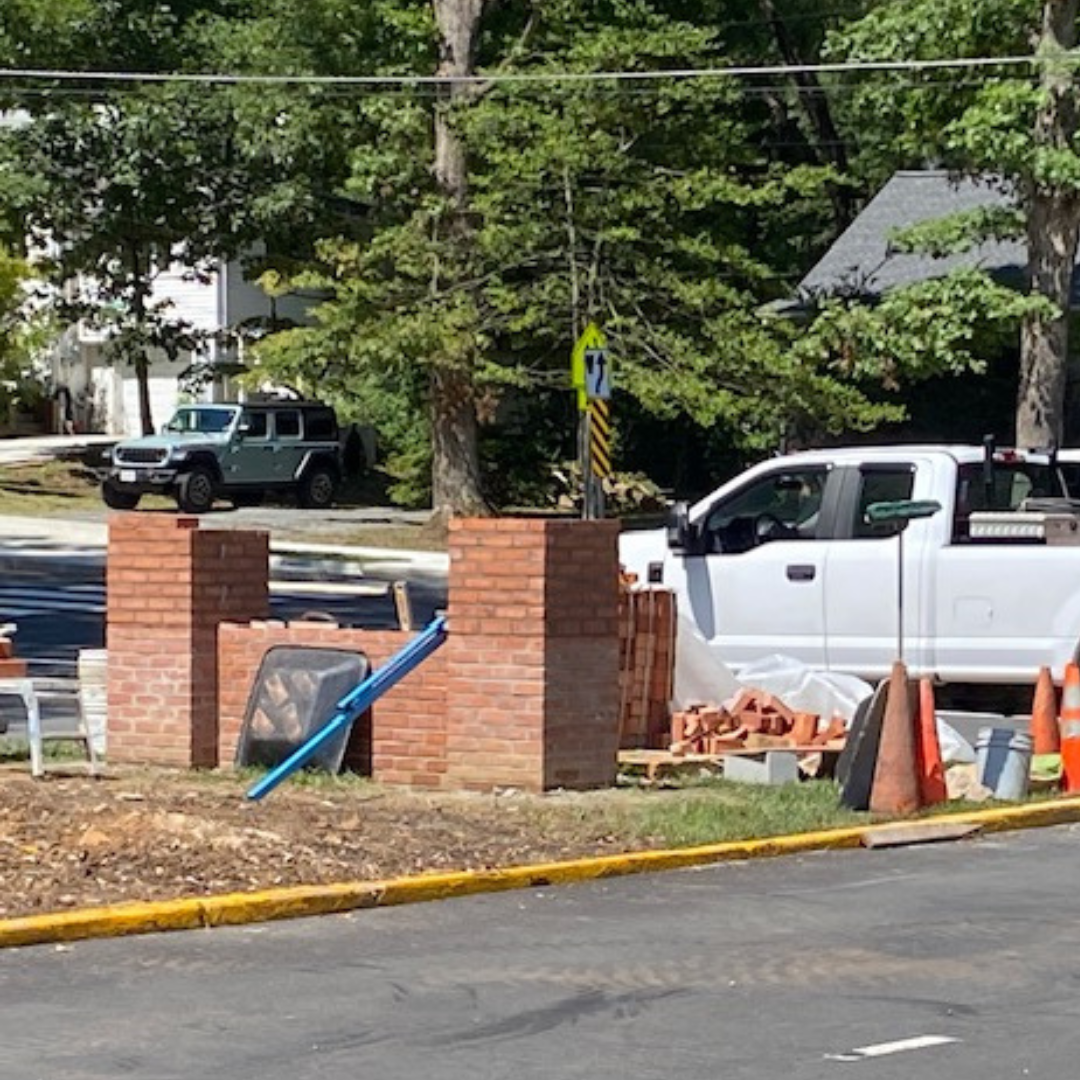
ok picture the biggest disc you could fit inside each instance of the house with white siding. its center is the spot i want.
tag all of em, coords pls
(105, 391)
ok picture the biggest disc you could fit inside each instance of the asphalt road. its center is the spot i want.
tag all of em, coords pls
(958, 961)
(61, 609)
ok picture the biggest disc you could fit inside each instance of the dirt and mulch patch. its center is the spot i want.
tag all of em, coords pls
(68, 841)
(76, 842)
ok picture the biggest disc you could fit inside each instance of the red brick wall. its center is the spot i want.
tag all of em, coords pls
(169, 585)
(402, 740)
(525, 692)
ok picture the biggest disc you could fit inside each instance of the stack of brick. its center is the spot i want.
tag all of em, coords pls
(10, 667)
(646, 665)
(750, 720)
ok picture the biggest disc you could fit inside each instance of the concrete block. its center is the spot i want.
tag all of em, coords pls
(764, 767)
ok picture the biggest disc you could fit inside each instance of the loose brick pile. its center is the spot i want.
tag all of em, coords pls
(751, 719)
(10, 667)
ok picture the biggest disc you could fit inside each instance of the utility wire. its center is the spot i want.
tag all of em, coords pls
(845, 67)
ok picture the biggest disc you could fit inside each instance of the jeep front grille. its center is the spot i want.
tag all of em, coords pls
(137, 455)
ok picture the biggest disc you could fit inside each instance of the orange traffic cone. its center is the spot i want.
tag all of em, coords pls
(896, 775)
(1070, 730)
(1044, 729)
(931, 770)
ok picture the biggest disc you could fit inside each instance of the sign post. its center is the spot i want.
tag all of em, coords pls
(590, 370)
(897, 516)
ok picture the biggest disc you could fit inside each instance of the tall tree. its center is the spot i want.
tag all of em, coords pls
(119, 182)
(1002, 126)
(653, 208)
(121, 189)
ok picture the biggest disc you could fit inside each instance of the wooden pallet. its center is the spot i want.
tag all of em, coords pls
(656, 763)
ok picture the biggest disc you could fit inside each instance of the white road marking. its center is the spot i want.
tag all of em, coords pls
(918, 1042)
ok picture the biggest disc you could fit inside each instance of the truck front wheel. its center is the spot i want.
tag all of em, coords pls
(195, 494)
(117, 499)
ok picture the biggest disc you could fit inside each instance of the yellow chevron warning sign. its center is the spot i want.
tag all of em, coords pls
(600, 438)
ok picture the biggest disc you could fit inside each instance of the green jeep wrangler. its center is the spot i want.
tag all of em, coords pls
(239, 452)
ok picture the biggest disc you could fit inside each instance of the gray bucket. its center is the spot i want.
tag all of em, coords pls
(1003, 761)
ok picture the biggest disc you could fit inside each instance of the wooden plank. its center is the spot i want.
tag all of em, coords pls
(930, 833)
(403, 605)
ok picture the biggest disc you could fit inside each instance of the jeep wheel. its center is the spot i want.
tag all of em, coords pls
(195, 495)
(317, 488)
(118, 499)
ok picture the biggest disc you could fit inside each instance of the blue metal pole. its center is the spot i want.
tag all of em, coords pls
(357, 702)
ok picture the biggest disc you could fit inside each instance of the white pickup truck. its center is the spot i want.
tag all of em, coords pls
(784, 558)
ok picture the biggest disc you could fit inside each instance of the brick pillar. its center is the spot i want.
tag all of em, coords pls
(533, 654)
(170, 584)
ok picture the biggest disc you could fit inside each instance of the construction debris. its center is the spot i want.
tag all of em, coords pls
(751, 720)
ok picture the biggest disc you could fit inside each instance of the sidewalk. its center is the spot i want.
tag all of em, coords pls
(44, 447)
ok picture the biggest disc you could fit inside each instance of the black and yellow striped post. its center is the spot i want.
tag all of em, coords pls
(599, 450)
(597, 456)
(600, 438)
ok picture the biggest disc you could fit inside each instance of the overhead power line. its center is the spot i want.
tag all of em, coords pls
(773, 70)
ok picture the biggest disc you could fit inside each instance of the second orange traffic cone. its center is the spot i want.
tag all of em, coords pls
(1070, 730)
(895, 789)
(1044, 729)
(932, 787)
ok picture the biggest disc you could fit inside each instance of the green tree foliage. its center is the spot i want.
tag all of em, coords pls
(1013, 127)
(120, 182)
(21, 329)
(122, 187)
(671, 212)
(655, 209)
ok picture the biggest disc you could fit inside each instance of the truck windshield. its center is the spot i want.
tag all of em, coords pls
(205, 421)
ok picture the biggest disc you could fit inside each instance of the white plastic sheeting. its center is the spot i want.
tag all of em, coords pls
(702, 677)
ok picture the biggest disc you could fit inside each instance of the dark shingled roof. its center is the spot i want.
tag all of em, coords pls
(860, 260)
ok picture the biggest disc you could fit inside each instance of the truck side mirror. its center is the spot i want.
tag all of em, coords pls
(683, 537)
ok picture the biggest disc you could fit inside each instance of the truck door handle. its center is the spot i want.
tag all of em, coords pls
(801, 572)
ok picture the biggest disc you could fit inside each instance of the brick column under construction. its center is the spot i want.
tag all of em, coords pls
(533, 654)
(170, 584)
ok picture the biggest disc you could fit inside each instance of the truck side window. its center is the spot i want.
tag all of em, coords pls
(880, 485)
(1009, 485)
(256, 425)
(782, 506)
(287, 424)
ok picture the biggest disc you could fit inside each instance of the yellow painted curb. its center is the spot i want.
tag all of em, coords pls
(233, 909)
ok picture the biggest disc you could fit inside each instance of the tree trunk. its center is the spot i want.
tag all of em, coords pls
(455, 470)
(141, 361)
(830, 147)
(1053, 229)
(142, 379)
(1044, 340)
